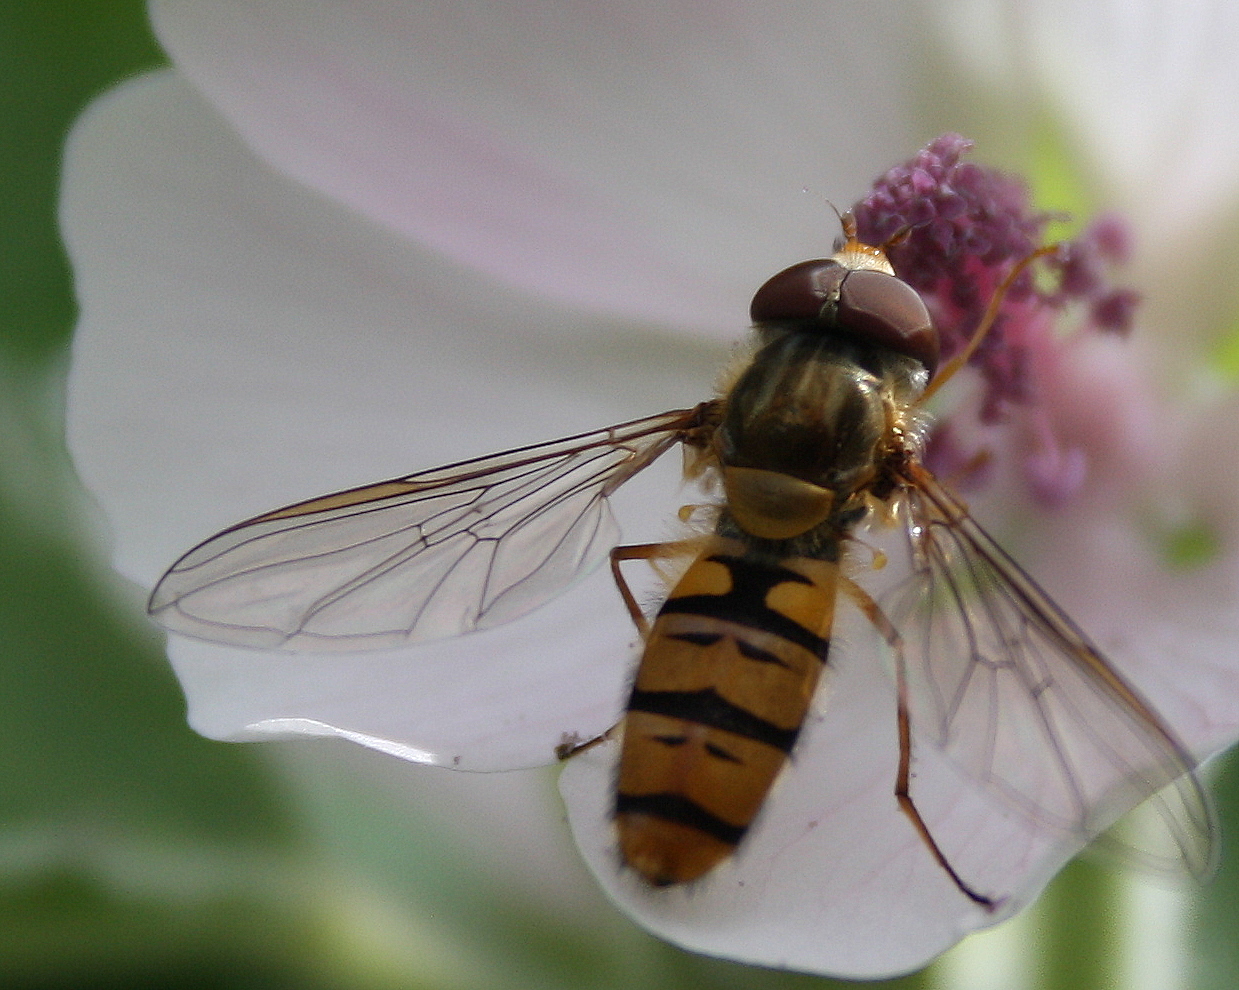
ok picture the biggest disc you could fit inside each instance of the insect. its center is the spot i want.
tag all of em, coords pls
(815, 443)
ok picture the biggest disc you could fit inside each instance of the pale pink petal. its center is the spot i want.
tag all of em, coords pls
(244, 343)
(647, 159)
(1139, 97)
(1146, 92)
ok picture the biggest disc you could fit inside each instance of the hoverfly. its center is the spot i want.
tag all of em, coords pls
(816, 441)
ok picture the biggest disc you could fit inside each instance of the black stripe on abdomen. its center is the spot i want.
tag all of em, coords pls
(745, 602)
(681, 810)
(708, 707)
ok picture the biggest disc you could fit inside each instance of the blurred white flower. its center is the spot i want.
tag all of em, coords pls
(339, 243)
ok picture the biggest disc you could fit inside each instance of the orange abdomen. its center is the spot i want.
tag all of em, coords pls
(728, 674)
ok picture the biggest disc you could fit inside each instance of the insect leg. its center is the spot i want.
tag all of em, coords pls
(903, 794)
(571, 744)
(948, 370)
(643, 551)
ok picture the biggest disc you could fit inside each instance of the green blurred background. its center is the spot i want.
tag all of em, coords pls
(135, 854)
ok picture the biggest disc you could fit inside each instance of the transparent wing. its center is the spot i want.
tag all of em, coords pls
(1018, 698)
(427, 556)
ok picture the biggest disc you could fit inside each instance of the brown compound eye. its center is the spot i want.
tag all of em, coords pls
(798, 293)
(862, 303)
(888, 311)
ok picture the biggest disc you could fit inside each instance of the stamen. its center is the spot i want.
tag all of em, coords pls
(968, 239)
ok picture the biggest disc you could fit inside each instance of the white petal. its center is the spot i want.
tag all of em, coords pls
(495, 700)
(244, 343)
(648, 160)
(1147, 90)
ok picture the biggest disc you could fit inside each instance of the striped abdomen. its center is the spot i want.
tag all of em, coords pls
(728, 674)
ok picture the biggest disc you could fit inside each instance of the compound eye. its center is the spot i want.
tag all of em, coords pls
(887, 311)
(798, 293)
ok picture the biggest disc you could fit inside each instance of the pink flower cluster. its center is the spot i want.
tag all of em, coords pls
(958, 229)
